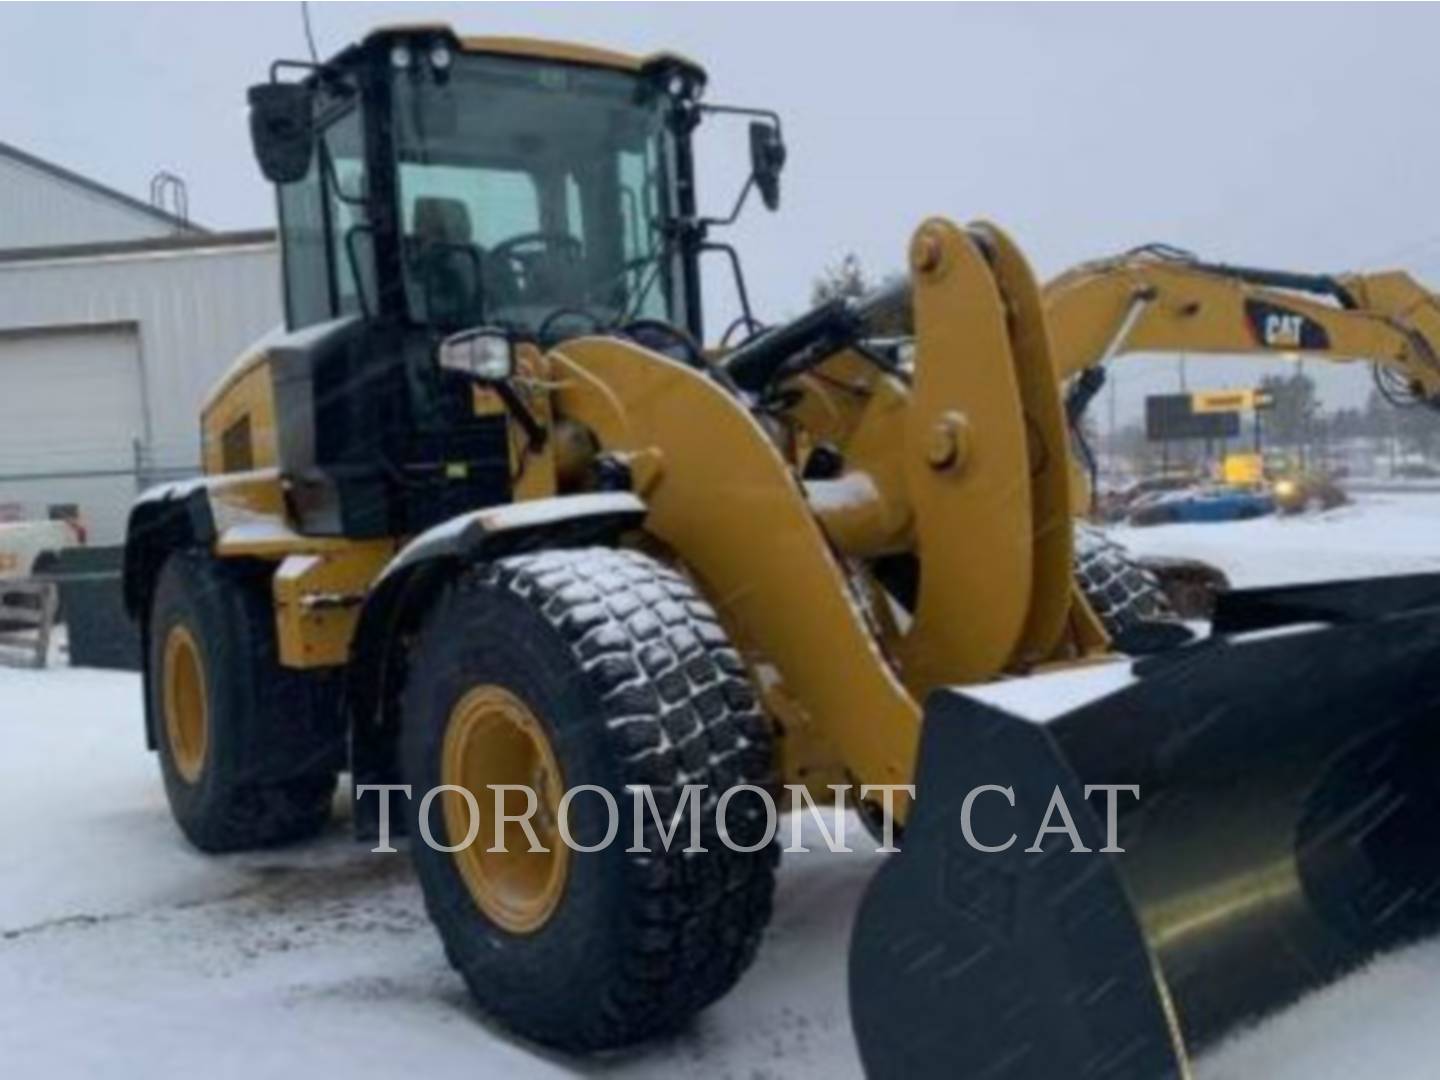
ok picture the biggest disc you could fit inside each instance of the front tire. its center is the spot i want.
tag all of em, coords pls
(577, 667)
(249, 750)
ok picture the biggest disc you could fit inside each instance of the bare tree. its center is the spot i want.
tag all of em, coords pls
(845, 278)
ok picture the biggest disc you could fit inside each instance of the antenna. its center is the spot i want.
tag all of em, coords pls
(309, 31)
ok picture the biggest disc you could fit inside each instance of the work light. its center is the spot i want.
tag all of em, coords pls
(484, 354)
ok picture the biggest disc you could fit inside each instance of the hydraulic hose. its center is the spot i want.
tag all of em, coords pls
(819, 333)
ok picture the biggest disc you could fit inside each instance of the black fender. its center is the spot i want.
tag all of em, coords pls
(168, 518)
(165, 519)
(409, 583)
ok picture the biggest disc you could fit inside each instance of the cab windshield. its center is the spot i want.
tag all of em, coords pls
(534, 195)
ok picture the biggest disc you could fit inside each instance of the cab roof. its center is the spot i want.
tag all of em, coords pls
(540, 49)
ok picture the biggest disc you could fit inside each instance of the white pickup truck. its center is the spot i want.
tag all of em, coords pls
(30, 548)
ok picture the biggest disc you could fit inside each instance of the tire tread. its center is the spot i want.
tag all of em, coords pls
(676, 709)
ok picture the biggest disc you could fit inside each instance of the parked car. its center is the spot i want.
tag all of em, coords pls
(31, 548)
(1299, 492)
(1416, 470)
(1115, 505)
(1205, 504)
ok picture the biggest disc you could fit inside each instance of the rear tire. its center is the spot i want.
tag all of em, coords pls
(249, 750)
(629, 680)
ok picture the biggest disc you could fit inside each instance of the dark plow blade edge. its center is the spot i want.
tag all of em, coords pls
(1288, 828)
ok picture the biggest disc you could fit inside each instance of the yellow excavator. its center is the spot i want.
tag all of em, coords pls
(1160, 299)
(488, 517)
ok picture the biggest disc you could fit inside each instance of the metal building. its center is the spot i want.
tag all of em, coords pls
(115, 318)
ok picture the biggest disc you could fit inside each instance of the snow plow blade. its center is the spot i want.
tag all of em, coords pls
(1287, 828)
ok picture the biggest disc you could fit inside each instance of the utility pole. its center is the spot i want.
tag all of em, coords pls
(1184, 389)
(1306, 433)
(1114, 454)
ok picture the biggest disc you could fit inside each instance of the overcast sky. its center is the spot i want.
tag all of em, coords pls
(1290, 135)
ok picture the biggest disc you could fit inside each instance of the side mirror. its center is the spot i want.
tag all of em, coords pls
(282, 130)
(767, 160)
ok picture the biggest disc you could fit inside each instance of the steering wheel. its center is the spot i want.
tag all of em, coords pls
(667, 339)
(676, 342)
(561, 243)
(544, 332)
(527, 255)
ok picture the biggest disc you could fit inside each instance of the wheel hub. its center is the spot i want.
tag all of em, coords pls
(493, 738)
(187, 707)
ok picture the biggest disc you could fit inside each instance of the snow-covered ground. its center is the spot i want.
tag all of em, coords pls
(125, 953)
(1390, 533)
(1385, 1020)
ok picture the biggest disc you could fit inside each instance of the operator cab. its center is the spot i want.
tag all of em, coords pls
(431, 187)
(451, 183)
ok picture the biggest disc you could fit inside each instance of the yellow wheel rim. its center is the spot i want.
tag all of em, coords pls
(493, 738)
(187, 707)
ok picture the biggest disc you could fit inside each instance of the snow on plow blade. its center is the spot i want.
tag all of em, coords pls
(1287, 828)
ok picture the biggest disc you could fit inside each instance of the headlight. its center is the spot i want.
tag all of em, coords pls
(484, 354)
(1284, 489)
(440, 57)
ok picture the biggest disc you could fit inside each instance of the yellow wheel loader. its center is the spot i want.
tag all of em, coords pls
(488, 518)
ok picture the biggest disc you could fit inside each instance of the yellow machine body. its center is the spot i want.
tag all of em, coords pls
(974, 447)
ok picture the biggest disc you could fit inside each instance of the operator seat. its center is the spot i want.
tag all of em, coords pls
(445, 262)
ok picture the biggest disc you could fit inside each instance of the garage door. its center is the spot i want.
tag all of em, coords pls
(71, 408)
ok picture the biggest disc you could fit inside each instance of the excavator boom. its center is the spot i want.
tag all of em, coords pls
(1158, 299)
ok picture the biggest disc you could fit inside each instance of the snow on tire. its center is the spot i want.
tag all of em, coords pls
(1126, 597)
(634, 683)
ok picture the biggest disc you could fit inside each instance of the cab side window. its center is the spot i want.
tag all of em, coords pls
(326, 248)
(351, 253)
(303, 250)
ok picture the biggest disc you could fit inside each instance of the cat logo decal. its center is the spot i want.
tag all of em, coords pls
(1274, 327)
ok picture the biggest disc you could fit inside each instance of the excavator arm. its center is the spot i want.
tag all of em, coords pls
(1159, 299)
